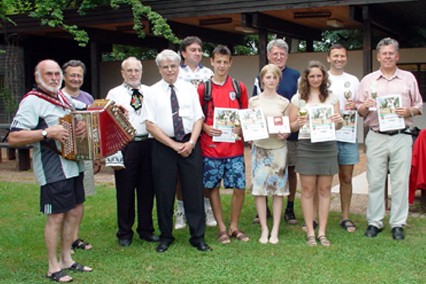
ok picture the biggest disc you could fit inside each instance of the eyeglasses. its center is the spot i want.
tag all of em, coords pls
(130, 71)
(78, 76)
(166, 67)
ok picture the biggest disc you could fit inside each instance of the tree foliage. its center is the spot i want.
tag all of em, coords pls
(351, 39)
(51, 13)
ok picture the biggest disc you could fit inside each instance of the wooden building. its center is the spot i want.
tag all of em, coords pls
(217, 21)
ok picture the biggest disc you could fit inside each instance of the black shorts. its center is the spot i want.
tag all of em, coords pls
(62, 196)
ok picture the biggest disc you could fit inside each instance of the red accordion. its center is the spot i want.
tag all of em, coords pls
(108, 131)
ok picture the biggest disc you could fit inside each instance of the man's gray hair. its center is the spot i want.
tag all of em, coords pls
(388, 41)
(74, 63)
(128, 59)
(167, 54)
(278, 43)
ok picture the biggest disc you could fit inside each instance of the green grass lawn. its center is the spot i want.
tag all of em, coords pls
(352, 258)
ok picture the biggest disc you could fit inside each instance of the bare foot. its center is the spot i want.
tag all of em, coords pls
(264, 237)
(274, 240)
(274, 237)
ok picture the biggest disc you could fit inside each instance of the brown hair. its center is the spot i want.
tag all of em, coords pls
(304, 88)
(336, 46)
(223, 50)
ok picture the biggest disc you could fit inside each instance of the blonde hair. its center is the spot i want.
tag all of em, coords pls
(272, 68)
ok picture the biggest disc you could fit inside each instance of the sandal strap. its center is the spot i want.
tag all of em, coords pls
(310, 240)
(324, 241)
(223, 237)
(80, 244)
(240, 235)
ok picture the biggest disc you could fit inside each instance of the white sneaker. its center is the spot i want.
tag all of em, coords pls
(180, 221)
(210, 220)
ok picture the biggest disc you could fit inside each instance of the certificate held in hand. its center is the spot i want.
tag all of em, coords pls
(278, 124)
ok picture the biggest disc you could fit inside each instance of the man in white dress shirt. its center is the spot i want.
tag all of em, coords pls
(134, 179)
(173, 116)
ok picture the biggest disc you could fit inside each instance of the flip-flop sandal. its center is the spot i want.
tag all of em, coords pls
(80, 268)
(81, 244)
(348, 225)
(58, 275)
(223, 238)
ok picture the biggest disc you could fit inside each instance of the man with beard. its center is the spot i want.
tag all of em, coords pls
(61, 180)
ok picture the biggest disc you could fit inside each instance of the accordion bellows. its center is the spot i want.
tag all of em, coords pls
(108, 131)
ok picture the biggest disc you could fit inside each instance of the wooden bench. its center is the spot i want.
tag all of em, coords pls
(21, 155)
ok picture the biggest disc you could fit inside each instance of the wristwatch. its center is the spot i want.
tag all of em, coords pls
(44, 133)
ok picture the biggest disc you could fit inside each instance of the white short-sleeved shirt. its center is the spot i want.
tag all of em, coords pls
(157, 106)
(195, 77)
(37, 113)
(122, 95)
(341, 84)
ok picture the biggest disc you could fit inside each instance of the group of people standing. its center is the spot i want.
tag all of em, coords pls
(174, 139)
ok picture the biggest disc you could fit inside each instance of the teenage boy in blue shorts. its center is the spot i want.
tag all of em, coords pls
(223, 161)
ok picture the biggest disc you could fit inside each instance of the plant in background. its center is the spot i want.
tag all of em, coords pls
(9, 105)
(51, 13)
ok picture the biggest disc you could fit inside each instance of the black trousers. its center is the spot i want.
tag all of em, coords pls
(167, 165)
(135, 181)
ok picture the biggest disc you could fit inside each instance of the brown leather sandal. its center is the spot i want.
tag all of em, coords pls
(239, 235)
(223, 238)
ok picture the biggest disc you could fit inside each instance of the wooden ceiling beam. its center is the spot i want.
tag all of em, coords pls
(112, 37)
(271, 24)
(210, 35)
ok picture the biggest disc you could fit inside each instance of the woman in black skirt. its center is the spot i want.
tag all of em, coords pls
(316, 162)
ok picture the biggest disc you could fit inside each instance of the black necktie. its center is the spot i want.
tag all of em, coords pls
(177, 120)
(136, 100)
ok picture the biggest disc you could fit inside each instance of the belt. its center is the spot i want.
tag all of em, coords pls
(139, 138)
(390, 133)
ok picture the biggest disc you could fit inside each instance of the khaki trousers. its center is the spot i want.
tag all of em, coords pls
(388, 153)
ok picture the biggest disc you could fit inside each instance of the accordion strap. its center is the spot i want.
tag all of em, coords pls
(60, 100)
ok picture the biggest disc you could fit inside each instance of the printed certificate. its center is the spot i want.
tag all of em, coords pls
(348, 132)
(278, 124)
(224, 120)
(388, 119)
(321, 127)
(253, 124)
